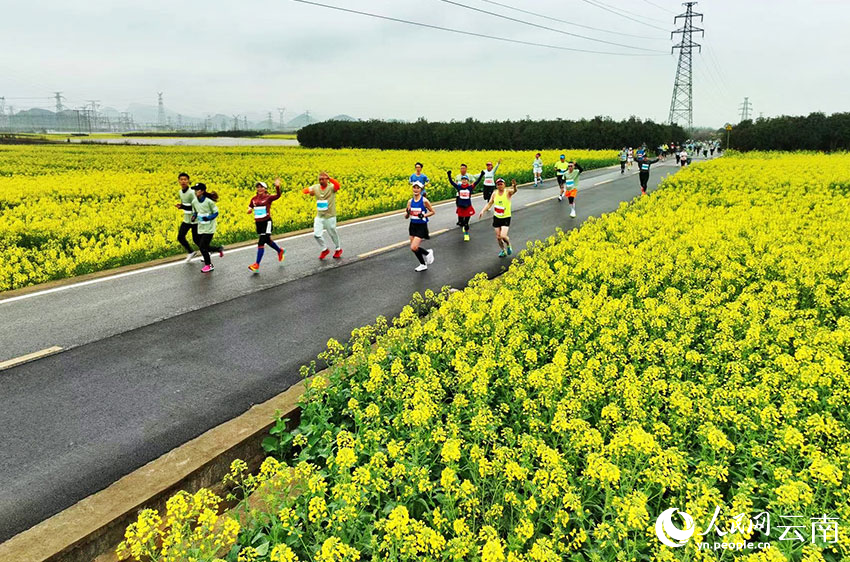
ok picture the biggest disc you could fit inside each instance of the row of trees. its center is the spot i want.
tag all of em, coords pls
(596, 133)
(816, 131)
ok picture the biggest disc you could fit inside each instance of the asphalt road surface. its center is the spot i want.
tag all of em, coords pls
(154, 358)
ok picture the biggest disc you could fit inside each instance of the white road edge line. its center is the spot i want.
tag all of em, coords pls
(601, 182)
(394, 246)
(540, 201)
(29, 357)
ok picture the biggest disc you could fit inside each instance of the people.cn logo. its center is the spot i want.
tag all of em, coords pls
(671, 535)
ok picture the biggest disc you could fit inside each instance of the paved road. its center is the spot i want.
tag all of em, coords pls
(155, 358)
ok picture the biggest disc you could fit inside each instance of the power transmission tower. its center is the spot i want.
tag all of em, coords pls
(280, 111)
(93, 118)
(245, 122)
(270, 121)
(745, 108)
(235, 122)
(682, 104)
(58, 96)
(160, 111)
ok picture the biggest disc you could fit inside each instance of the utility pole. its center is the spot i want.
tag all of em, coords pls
(280, 111)
(270, 121)
(245, 122)
(745, 108)
(58, 96)
(160, 111)
(682, 104)
(93, 120)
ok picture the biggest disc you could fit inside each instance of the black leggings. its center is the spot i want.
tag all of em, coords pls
(185, 227)
(204, 241)
(487, 191)
(464, 222)
(622, 166)
(644, 179)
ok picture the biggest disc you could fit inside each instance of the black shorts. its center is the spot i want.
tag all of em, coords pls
(419, 230)
(561, 180)
(264, 226)
(500, 222)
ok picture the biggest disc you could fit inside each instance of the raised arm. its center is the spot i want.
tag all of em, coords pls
(513, 188)
(276, 195)
(451, 181)
(480, 177)
(334, 183)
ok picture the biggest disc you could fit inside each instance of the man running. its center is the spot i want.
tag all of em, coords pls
(537, 170)
(490, 179)
(261, 207)
(326, 212)
(560, 169)
(186, 196)
(624, 155)
(418, 210)
(571, 185)
(643, 175)
(501, 203)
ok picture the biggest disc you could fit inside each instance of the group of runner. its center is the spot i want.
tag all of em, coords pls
(200, 211)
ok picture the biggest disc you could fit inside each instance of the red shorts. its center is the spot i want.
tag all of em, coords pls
(571, 193)
(465, 211)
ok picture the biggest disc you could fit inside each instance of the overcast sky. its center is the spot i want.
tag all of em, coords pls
(253, 56)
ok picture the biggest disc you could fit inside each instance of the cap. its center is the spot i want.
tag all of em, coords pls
(416, 184)
(563, 155)
(199, 187)
(489, 163)
(500, 180)
(262, 183)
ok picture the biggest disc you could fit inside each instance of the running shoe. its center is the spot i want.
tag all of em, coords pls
(325, 253)
(281, 255)
(429, 257)
(338, 253)
(466, 237)
(207, 268)
(421, 267)
(560, 197)
(502, 254)
(190, 255)
(255, 267)
(510, 250)
(572, 213)
(221, 252)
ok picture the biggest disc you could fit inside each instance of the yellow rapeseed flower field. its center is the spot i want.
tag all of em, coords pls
(69, 210)
(689, 351)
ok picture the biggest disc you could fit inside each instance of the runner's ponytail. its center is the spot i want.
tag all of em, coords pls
(212, 195)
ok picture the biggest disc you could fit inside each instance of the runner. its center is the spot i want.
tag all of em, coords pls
(677, 152)
(463, 174)
(643, 175)
(464, 201)
(631, 157)
(501, 203)
(326, 212)
(205, 211)
(571, 185)
(624, 155)
(186, 196)
(537, 169)
(418, 210)
(420, 177)
(261, 207)
(683, 157)
(489, 181)
(560, 169)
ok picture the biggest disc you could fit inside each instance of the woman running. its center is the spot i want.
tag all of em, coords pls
(537, 170)
(205, 211)
(630, 157)
(501, 203)
(463, 201)
(326, 213)
(571, 185)
(261, 207)
(683, 157)
(418, 210)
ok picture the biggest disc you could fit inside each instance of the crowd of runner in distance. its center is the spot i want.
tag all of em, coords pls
(200, 210)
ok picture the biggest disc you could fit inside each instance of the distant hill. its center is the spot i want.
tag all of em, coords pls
(301, 121)
(343, 117)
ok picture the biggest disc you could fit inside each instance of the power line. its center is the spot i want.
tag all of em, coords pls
(639, 15)
(613, 11)
(659, 7)
(546, 28)
(539, 15)
(473, 34)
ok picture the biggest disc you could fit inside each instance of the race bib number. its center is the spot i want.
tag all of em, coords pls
(499, 211)
(489, 182)
(260, 212)
(571, 183)
(463, 193)
(644, 167)
(321, 204)
(414, 213)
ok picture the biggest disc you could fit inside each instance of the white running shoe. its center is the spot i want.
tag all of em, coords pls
(421, 267)
(189, 256)
(560, 197)
(429, 257)
(572, 213)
